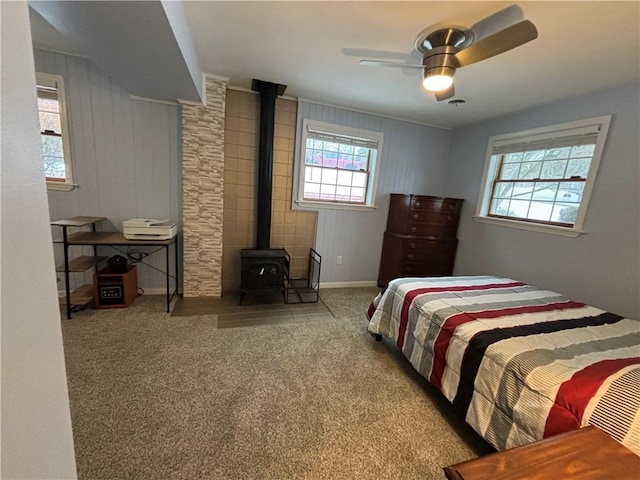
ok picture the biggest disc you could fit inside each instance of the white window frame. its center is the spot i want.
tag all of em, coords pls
(491, 168)
(57, 81)
(341, 130)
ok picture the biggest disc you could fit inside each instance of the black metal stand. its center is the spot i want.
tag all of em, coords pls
(114, 240)
(169, 294)
(305, 290)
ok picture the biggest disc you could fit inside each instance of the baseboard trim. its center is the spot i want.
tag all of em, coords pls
(371, 283)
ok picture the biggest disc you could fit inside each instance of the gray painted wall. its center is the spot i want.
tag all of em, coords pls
(125, 154)
(601, 267)
(37, 440)
(413, 160)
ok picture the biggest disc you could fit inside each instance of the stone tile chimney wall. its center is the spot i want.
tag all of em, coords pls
(219, 165)
(203, 192)
(292, 229)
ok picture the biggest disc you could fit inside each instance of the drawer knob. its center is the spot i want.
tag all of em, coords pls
(410, 257)
(415, 216)
(449, 217)
(413, 229)
(409, 269)
(417, 204)
(412, 245)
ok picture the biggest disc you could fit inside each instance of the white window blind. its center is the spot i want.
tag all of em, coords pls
(547, 144)
(342, 139)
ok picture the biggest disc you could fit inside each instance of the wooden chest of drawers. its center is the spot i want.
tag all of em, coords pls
(420, 240)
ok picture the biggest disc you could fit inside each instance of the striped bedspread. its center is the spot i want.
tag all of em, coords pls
(521, 363)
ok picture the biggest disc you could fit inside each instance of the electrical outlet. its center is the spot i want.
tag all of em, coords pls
(339, 260)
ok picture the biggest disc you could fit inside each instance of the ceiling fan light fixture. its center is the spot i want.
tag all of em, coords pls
(445, 48)
(438, 79)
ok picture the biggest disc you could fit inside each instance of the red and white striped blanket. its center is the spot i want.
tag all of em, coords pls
(521, 363)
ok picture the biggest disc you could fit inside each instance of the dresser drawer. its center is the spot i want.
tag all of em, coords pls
(428, 246)
(428, 216)
(447, 254)
(405, 211)
(435, 204)
(433, 229)
(442, 267)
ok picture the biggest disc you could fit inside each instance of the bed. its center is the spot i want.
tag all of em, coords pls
(520, 363)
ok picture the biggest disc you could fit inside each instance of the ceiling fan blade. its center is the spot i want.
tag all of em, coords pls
(499, 42)
(376, 63)
(445, 94)
(496, 22)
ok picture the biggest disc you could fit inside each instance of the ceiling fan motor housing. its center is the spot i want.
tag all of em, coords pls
(439, 48)
(457, 38)
(441, 62)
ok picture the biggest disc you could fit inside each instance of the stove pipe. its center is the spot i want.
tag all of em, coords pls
(268, 93)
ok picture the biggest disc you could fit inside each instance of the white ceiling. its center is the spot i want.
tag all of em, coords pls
(581, 47)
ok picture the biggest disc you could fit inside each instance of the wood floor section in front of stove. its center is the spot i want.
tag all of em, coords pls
(255, 310)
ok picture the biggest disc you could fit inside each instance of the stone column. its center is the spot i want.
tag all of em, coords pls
(203, 189)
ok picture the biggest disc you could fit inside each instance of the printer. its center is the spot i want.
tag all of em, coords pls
(148, 229)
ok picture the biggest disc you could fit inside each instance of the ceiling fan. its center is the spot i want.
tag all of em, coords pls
(447, 48)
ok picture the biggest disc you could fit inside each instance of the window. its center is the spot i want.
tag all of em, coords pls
(337, 166)
(54, 131)
(542, 179)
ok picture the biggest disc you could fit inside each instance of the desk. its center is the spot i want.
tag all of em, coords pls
(111, 239)
(585, 454)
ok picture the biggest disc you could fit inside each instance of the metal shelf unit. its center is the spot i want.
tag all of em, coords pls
(97, 239)
(83, 295)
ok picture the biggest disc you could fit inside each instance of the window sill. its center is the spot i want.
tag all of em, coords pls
(550, 229)
(61, 186)
(306, 204)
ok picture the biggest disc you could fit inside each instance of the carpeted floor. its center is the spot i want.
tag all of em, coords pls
(161, 397)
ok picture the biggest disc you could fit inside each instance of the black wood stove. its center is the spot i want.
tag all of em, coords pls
(264, 269)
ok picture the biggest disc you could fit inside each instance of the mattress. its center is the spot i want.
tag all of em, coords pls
(520, 363)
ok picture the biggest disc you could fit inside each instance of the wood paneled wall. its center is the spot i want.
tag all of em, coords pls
(413, 160)
(126, 161)
(125, 156)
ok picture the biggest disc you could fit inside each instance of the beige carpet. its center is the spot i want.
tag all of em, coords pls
(161, 397)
